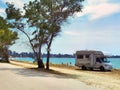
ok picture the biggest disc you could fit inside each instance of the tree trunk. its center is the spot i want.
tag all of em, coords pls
(40, 63)
(48, 52)
(5, 55)
(47, 63)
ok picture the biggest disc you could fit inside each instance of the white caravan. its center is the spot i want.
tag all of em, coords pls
(92, 60)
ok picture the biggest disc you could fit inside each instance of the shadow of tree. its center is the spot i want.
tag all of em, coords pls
(35, 72)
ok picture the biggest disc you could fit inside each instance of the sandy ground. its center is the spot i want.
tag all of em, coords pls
(14, 77)
(103, 80)
(97, 79)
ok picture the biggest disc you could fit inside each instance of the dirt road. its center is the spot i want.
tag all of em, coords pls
(17, 78)
(103, 80)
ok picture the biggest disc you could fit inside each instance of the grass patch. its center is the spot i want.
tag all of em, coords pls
(67, 66)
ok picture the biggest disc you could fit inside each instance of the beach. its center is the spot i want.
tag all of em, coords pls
(18, 77)
(103, 80)
(115, 62)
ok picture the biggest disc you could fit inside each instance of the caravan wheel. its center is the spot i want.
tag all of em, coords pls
(84, 68)
(91, 68)
(102, 68)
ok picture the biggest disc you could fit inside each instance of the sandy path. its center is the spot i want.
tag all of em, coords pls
(17, 78)
(103, 80)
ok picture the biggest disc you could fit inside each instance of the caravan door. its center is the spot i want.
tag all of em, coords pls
(92, 60)
(98, 62)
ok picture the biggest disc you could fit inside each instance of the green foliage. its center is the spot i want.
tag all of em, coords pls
(12, 12)
(48, 15)
(3, 24)
(45, 17)
(7, 38)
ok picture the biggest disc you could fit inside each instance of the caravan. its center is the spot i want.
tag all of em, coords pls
(92, 60)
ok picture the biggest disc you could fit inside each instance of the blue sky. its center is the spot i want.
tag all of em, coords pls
(96, 28)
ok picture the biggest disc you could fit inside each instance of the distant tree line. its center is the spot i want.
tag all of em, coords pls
(113, 56)
(29, 54)
(60, 55)
(23, 54)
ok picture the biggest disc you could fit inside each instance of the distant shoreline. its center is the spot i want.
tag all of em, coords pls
(113, 56)
(62, 57)
(59, 55)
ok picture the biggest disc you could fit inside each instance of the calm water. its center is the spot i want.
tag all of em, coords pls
(71, 61)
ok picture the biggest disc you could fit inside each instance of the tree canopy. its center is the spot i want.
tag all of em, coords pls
(45, 17)
(7, 38)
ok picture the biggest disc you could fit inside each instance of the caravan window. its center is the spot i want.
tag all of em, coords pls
(80, 56)
(87, 56)
(98, 60)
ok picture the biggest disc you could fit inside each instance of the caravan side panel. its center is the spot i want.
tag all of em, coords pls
(82, 60)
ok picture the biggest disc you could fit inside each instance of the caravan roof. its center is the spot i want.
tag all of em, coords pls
(89, 52)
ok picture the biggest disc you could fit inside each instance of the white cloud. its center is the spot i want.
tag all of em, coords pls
(73, 40)
(102, 10)
(95, 2)
(17, 3)
(96, 35)
(71, 33)
(92, 39)
(96, 9)
(2, 11)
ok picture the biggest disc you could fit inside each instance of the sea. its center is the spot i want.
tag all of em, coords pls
(69, 61)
